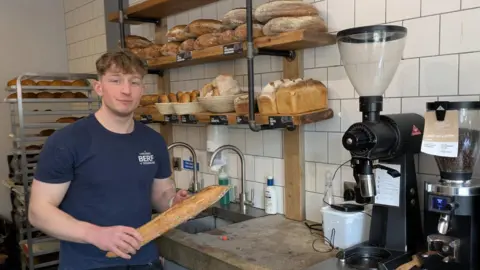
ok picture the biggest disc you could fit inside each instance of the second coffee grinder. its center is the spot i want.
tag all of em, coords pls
(452, 220)
(382, 149)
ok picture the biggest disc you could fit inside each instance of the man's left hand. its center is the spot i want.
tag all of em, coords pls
(180, 196)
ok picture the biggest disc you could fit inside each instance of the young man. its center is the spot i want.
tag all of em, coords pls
(96, 179)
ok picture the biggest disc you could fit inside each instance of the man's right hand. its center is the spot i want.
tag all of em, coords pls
(120, 240)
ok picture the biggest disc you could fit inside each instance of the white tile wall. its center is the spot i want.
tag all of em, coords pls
(441, 61)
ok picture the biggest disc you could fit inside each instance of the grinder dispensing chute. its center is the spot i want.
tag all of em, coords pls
(387, 143)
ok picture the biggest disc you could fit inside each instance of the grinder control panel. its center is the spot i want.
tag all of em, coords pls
(440, 204)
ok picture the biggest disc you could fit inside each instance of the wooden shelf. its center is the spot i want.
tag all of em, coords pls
(273, 121)
(297, 40)
(157, 9)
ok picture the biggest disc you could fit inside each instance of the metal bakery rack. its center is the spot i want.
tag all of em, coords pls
(28, 116)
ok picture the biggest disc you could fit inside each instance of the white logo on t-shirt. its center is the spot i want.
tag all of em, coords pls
(146, 158)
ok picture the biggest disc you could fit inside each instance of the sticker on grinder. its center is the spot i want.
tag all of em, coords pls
(440, 138)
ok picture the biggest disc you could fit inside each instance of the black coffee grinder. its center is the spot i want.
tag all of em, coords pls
(382, 149)
(451, 217)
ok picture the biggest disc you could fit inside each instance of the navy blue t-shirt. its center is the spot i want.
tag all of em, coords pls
(111, 179)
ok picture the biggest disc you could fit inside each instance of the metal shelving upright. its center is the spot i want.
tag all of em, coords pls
(23, 120)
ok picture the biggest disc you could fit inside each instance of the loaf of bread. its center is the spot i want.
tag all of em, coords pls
(222, 85)
(187, 46)
(241, 104)
(241, 31)
(153, 51)
(235, 18)
(67, 94)
(57, 95)
(33, 147)
(149, 100)
(43, 83)
(80, 95)
(227, 37)
(134, 41)
(140, 52)
(180, 213)
(288, 24)
(179, 94)
(163, 99)
(292, 97)
(46, 132)
(45, 95)
(172, 98)
(28, 82)
(205, 26)
(80, 83)
(24, 95)
(276, 9)
(207, 40)
(58, 83)
(12, 82)
(177, 33)
(171, 48)
(67, 120)
(185, 98)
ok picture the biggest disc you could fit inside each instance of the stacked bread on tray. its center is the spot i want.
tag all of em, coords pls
(47, 94)
(269, 19)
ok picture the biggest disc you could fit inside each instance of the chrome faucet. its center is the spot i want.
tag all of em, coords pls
(243, 195)
(195, 185)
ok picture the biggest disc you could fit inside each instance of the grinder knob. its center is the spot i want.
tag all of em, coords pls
(356, 140)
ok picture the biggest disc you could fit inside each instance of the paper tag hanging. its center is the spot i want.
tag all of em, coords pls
(440, 138)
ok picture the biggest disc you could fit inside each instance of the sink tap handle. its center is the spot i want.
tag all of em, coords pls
(252, 195)
(235, 194)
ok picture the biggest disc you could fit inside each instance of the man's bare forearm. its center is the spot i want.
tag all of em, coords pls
(163, 192)
(58, 224)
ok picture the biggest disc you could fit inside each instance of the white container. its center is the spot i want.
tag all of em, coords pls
(350, 228)
(271, 206)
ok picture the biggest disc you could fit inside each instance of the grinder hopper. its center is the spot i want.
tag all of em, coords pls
(371, 56)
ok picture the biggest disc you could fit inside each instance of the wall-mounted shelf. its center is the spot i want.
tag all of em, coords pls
(155, 10)
(272, 121)
(296, 40)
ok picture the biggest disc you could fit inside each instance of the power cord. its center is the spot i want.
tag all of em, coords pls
(329, 241)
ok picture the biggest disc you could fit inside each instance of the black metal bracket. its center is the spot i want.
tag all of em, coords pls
(142, 20)
(290, 55)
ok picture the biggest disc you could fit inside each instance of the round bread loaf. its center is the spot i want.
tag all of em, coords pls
(46, 132)
(80, 95)
(57, 95)
(164, 99)
(67, 94)
(45, 95)
(67, 120)
(33, 147)
(276, 9)
(43, 83)
(184, 98)
(172, 98)
(28, 82)
(177, 33)
(79, 83)
(205, 26)
(57, 83)
(288, 24)
(12, 82)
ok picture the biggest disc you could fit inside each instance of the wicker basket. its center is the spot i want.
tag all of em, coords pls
(218, 104)
(165, 108)
(187, 108)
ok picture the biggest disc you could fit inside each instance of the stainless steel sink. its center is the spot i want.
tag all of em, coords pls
(219, 216)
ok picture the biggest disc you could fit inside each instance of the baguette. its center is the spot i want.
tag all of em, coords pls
(276, 9)
(288, 24)
(180, 213)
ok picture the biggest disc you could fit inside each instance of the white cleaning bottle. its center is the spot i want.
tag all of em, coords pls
(271, 206)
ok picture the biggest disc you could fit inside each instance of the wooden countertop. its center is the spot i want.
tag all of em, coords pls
(270, 242)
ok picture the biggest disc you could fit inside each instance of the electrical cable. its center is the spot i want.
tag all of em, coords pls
(329, 241)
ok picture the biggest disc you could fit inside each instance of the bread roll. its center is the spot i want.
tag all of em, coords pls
(43, 83)
(67, 120)
(287, 24)
(193, 96)
(67, 94)
(134, 41)
(67, 83)
(57, 95)
(276, 9)
(12, 96)
(235, 18)
(241, 31)
(303, 96)
(28, 82)
(80, 83)
(179, 94)
(205, 26)
(80, 95)
(207, 40)
(187, 46)
(33, 147)
(241, 104)
(171, 48)
(177, 33)
(12, 82)
(185, 98)
(172, 98)
(227, 37)
(149, 100)
(45, 95)
(164, 99)
(29, 95)
(46, 132)
(57, 83)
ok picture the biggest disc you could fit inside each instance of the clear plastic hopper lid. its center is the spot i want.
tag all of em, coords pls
(371, 56)
(462, 167)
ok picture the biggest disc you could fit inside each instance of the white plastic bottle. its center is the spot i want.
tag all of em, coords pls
(271, 206)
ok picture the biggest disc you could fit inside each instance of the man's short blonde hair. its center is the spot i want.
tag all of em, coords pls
(122, 61)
